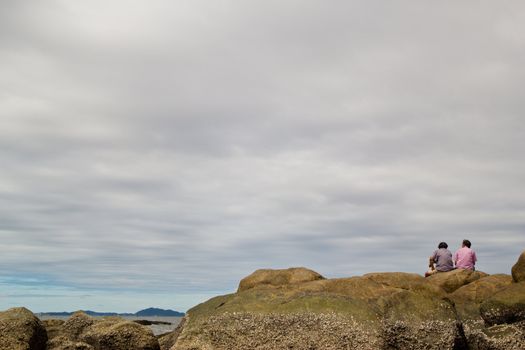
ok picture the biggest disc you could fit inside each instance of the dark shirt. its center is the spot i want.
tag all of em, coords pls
(443, 259)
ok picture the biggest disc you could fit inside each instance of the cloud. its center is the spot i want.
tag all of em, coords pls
(172, 148)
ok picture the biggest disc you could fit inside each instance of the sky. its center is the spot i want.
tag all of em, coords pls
(154, 153)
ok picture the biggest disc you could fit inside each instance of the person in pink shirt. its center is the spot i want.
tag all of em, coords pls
(465, 258)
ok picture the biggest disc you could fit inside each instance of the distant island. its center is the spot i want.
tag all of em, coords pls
(149, 312)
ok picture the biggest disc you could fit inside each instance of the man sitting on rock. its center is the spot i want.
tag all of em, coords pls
(465, 258)
(442, 257)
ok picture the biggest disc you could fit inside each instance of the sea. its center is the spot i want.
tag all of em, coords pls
(156, 328)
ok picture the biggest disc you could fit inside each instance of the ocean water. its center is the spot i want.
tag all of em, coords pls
(156, 328)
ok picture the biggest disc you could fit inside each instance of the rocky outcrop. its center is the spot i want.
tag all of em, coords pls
(518, 270)
(457, 310)
(275, 278)
(82, 332)
(376, 311)
(21, 330)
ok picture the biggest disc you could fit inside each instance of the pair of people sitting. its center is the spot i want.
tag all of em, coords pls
(443, 261)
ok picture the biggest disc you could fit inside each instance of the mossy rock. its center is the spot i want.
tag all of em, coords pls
(20, 329)
(518, 270)
(275, 278)
(506, 306)
(360, 311)
(467, 299)
(452, 280)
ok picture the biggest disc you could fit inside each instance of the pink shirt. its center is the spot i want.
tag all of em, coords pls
(465, 258)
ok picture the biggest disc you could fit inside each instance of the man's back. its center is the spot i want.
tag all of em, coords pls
(465, 258)
(443, 259)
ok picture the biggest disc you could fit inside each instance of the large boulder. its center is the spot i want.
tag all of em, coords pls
(467, 299)
(76, 325)
(378, 311)
(518, 270)
(452, 280)
(21, 330)
(269, 277)
(505, 307)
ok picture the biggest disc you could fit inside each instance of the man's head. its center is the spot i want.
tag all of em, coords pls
(443, 245)
(466, 243)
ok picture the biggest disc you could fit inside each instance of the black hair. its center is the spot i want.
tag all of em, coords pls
(443, 245)
(466, 243)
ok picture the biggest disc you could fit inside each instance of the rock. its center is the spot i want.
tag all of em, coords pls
(53, 327)
(452, 280)
(118, 334)
(377, 311)
(420, 320)
(497, 337)
(467, 299)
(518, 270)
(506, 306)
(63, 343)
(246, 330)
(21, 330)
(83, 332)
(166, 341)
(268, 277)
(76, 325)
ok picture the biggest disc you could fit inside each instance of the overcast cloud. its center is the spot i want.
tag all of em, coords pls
(155, 152)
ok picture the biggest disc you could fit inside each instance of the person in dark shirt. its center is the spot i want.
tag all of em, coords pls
(440, 260)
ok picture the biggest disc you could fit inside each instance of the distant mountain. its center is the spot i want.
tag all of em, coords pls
(142, 313)
(158, 312)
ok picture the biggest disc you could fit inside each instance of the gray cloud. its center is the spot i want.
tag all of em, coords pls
(176, 147)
